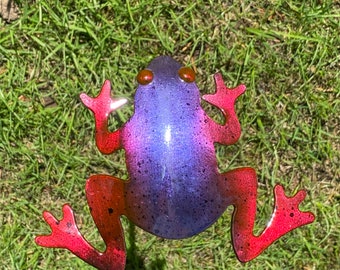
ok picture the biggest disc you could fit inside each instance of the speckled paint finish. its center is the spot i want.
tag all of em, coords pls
(170, 155)
(175, 189)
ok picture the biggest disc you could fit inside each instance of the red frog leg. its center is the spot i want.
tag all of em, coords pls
(240, 185)
(105, 195)
(225, 99)
(102, 106)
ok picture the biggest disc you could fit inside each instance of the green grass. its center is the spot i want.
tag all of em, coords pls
(286, 52)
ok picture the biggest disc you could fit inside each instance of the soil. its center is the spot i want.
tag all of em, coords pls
(9, 11)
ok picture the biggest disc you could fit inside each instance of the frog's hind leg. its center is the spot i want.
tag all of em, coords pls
(105, 196)
(240, 186)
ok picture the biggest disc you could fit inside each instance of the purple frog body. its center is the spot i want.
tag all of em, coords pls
(175, 189)
(170, 155)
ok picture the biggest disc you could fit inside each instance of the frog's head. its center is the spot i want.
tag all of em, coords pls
(166, 83)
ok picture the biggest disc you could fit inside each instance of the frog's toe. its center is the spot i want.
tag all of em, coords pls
(287, 208)
(63, 232)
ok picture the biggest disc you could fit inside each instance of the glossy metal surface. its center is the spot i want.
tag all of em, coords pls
(175, 189)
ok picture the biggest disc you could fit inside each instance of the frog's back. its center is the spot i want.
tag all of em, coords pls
(171, 160)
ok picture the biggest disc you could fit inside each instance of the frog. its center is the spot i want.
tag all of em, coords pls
(175, 189)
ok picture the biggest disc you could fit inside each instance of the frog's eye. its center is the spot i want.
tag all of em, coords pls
(186, 74)
(144, 77)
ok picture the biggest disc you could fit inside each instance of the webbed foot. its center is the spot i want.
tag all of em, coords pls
(287, 215)
(224, 97)
(103, 104)
(65, 234)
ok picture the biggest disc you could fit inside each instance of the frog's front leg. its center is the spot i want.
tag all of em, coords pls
(225, 99)
(105, 196)
(240, 186)
(102, 106)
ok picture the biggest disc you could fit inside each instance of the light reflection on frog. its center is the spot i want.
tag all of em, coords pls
(175, 189)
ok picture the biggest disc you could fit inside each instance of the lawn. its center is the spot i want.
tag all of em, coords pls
(287, 54)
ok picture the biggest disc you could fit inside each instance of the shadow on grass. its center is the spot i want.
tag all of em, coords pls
(136, 262)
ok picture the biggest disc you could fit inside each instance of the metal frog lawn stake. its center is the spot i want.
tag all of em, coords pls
(175, 190)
